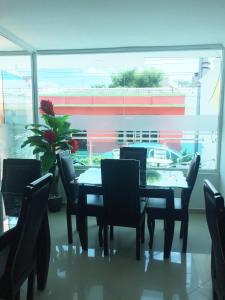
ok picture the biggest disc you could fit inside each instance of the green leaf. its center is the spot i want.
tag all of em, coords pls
(64, 146)
(74, 131)
(33, 126)
(39, 149)
(47, 161)
(37, 131)
(36, 139)
(25, 143)
(55, 122)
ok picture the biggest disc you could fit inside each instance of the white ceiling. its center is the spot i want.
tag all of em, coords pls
(6, 45)
(72, 24)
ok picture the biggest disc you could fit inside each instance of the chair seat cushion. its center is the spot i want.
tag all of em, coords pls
(161, 203)
(156, 203)
(96, 200)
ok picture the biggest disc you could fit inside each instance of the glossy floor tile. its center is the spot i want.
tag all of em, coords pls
(78, 275)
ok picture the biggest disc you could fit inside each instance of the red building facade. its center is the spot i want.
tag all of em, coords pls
(121, 105)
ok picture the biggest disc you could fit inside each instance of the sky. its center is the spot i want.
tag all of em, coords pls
(87, 70)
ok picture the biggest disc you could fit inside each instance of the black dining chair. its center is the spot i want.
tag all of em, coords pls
(19, 246)
(215, 216)
(180, 206)
(138, 153)
(93, 205)
(16, 174)
(122, 205)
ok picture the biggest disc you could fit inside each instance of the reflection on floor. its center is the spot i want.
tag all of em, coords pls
(77, 275)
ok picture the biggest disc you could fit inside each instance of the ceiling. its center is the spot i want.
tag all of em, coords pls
(86, 24)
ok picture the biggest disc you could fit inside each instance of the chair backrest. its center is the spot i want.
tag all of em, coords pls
(215, 216)
(17, 173)
(138, 153)
(120, 183)
(191, 179)
(193, 170)
(34, 207)
(67, 173)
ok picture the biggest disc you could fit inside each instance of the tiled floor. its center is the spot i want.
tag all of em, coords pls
(77, 275)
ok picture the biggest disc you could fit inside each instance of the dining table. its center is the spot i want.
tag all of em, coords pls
(90, 182)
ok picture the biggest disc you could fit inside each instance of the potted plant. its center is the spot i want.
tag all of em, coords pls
(47, 139)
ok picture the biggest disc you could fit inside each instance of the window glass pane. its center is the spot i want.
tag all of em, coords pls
(167, 102)
(15, 104)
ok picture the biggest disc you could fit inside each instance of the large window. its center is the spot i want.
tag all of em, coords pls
(167, 102)
(15, 104)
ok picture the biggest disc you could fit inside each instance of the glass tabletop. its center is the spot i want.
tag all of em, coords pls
(152, 178)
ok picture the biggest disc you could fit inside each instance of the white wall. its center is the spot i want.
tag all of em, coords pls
(222, 158)
(197, 198)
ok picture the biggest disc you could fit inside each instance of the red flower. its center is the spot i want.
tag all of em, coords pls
(75, 146)
(46, 107)
(50, 136)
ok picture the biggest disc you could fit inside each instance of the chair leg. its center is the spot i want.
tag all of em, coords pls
(98, 221)
(100, 238)
(143, 231)
(69, 226)
(138, 242)
(185, 235)
(151, 227)
(168, 238)
(77, 225)
(83, 232)
(164, 225)
(181, 230)
(106, 246)
(111, 233)
(30, 286)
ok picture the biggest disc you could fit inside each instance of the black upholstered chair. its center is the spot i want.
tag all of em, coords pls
(93, 205)
(215, 216)
(122, 205)
(17, 173)
(19, 246)
(138, 153)
(180, 206)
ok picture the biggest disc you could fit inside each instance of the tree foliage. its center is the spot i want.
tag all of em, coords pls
(137, 79)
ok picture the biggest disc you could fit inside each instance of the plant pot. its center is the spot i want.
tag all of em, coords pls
(54, 203)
